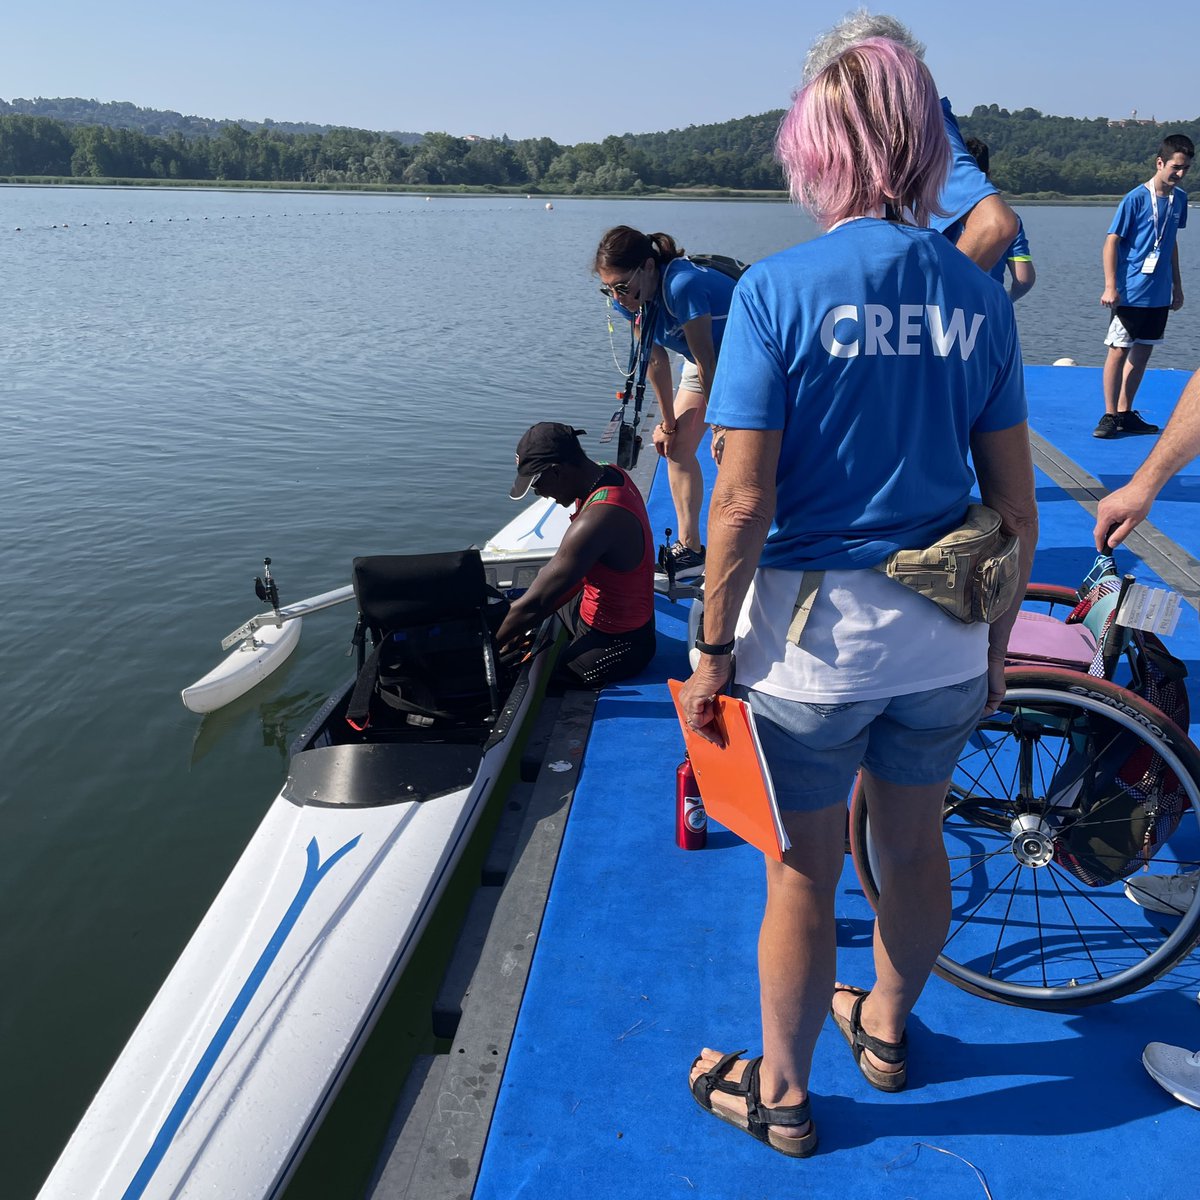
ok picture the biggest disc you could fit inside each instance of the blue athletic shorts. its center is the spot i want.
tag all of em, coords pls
(813, 750)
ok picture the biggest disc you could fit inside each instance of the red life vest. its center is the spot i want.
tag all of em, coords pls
(619, 601)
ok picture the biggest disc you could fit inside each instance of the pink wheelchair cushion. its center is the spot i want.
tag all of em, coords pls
(1040, 638)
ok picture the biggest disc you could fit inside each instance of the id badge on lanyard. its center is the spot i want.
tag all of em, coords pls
(1150, 262)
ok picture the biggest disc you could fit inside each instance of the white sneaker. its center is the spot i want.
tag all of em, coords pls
(1176, 1069)
(1172, 894)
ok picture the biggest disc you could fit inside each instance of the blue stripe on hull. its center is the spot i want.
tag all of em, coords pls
(314, 872)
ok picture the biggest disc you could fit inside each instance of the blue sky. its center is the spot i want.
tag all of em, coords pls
(573, 71)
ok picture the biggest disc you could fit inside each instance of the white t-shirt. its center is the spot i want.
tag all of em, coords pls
(866, 637)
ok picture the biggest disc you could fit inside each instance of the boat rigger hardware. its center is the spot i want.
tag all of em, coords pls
(665, 581)
(289, 612)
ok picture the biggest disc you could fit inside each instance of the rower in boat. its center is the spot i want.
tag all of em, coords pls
(601, 580)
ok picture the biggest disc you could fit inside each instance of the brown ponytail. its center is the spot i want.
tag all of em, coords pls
(624, 248)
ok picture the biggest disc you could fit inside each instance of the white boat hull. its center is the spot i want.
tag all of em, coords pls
(228, 1074)
(539, 527)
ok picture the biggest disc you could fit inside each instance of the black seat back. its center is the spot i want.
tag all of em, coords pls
(434, 659)
(399, 591)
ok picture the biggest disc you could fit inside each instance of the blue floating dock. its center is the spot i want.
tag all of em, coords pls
(648, 953)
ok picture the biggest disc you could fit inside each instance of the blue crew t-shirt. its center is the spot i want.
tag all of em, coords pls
(1142, 226)
(688, 291)
(877, 349)
(965, 185)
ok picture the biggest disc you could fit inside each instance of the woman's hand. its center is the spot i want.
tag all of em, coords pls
(663, 433)
(696, 698)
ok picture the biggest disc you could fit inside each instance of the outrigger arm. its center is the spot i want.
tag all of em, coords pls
(288, 612)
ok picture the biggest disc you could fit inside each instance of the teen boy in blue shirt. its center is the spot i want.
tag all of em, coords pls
(1142, 283)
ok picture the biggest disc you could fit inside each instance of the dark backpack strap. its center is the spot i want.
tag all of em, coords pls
(358, 712)
(393, 699)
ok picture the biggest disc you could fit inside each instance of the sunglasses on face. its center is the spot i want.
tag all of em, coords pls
(613, 290)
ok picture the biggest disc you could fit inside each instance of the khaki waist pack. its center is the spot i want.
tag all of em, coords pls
(970, 573)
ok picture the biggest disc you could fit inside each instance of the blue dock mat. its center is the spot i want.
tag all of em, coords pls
(647, 953)
(1064, 405)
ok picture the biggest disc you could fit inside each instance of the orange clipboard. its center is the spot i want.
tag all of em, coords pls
(734, 782)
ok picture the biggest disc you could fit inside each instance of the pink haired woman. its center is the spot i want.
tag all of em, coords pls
(858, 371)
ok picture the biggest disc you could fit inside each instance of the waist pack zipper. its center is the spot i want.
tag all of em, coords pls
(947, 569)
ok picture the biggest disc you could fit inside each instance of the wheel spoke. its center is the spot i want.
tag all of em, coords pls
(1016, 795)
(1012, 895)
(1079, 932)
(967, 919)
(976, 860)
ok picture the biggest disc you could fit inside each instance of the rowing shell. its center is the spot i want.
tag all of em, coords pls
(226, 1078)
(229, 1073)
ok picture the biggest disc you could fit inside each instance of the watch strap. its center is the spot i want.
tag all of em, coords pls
(709, 648)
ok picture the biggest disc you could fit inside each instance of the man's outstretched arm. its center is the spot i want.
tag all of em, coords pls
(1123, 510)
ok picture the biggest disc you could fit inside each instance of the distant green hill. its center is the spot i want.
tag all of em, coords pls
(1032, 154)
(120, 114)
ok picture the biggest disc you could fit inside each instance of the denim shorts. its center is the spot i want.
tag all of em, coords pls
(813, 750)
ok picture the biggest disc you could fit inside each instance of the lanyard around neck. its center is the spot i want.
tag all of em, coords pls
(1170, 204)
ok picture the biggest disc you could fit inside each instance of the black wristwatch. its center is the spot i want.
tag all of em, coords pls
(707, 648)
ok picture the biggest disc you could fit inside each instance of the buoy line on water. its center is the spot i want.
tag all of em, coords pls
(250, 216)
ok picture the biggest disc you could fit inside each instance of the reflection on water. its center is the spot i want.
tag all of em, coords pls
(281, 713)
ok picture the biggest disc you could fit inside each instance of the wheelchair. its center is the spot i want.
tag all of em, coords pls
(1062, 805)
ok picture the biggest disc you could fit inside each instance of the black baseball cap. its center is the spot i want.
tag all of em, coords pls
(543, 445)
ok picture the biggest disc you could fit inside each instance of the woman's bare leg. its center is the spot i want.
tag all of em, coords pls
(914, 904)
(683, 467)
(796, 959)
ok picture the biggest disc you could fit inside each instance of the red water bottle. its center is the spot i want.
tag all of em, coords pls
(691, 821)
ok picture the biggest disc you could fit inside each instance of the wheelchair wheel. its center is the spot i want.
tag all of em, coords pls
(1038, 828)
(1051, 599)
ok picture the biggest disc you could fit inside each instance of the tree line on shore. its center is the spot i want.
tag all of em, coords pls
(1031, 153)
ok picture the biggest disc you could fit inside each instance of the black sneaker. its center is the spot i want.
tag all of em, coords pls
(688, 563)
(1131, 422)
(1107, 427)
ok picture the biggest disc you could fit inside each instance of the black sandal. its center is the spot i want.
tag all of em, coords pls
(758, 1119)
(895, 1053)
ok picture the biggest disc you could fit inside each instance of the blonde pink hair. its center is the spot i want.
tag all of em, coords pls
(866, 134)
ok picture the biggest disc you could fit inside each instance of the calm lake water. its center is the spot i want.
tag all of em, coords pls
(193, 380)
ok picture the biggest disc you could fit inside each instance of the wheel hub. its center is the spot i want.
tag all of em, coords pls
(1032, 840)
